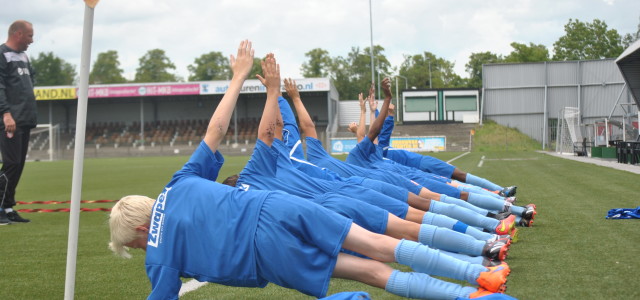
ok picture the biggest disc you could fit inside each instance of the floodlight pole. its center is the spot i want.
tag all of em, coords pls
(78, 155)
(371, 35)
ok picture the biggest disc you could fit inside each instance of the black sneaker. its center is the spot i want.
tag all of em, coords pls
(15, 217)
(496, 250)
(509, 191)
(4, 220)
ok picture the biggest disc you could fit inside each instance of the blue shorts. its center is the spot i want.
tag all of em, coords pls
(436, 166)
(297, 243)
(388, 189)
(393, 206)
(368, 216)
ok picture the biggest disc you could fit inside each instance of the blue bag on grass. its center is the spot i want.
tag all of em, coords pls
(624, 213)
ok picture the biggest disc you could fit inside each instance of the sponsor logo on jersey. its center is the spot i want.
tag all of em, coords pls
(244, 186)
(157, 220)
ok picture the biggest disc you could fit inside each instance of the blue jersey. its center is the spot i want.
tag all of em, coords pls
(411, 159)
(299, 184)
(368, 155)
(261, 172)
(193, 210)
(216, 233)
(317, 155)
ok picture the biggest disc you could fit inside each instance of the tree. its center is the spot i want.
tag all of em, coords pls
(52, 70)
(587, 41)
(210, 66)
(630, 38)
(474, 66)
(106, 69)
(318, 65)
(426, 70)
(154, 67)
(524, 53)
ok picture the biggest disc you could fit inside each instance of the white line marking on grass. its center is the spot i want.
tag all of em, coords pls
(481, 162)
(190, 286)
(461, 155)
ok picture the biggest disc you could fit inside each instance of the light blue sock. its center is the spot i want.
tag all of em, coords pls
(478, 190)
(517, 210)
(449, 240)
(481, 182)
(478, 260)
(423, 286)
(487, 202)
(430, 261)
(455, 225)
(462, 203)
(466, 216)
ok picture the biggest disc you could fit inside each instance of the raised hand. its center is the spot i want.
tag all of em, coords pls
(271, 73)
(291, 88)
(241, 63)
(386, 87)
(363, 107)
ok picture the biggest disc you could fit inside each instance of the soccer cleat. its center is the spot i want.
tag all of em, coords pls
(509, 191)
(525, 223)
(529, 214)
(499, 237)
(506, 225)
(497, 250)
(483, 294)
(4, 220)
(15, 217)
(495, 279)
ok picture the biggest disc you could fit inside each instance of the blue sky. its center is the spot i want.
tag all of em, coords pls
(186, 29)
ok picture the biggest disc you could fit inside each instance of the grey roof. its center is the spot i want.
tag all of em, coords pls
(629, 64)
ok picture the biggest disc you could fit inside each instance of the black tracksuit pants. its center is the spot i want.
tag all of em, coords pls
(14, 154)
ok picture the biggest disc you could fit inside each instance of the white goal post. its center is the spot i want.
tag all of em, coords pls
(569, 131)
(44, 143)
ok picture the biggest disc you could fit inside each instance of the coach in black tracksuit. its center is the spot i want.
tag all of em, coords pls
(18, 110)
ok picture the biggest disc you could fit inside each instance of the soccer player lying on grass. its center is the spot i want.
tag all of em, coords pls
(270, 168)
(201, 229)
(432, 165)
(367, 154)
(318, 155)
(292, 157)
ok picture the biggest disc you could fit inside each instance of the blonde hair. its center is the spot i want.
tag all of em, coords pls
(128, 213)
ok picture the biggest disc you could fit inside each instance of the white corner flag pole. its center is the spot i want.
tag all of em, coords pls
(78, 154)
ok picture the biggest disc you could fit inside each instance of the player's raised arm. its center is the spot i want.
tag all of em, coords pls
(219, 123)
(306, 123)
(360, 130)
(376, 125)
(271, 114)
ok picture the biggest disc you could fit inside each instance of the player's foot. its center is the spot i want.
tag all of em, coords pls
(499, 237)
(3, 218)
(495, 279)
(509, 191)
(529, 214)
(483, 294)
(506, 225)
(497, 250)
(15, 217)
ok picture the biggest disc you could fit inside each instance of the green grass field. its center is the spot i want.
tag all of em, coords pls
(572, 252)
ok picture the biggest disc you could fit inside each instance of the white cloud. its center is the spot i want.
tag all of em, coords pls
(186, 29)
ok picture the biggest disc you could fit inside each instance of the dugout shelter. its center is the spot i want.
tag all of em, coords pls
(167, 116)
